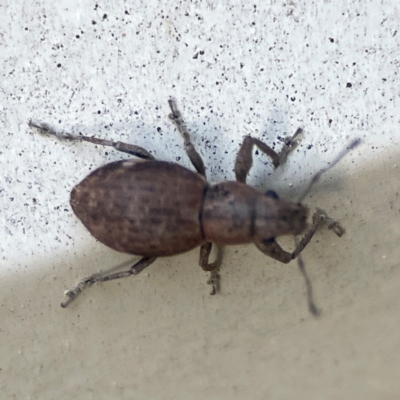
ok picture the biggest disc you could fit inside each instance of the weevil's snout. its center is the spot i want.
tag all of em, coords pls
(293, 218)
(276, 217)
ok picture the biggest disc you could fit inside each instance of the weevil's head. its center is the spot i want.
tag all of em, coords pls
(275, 217)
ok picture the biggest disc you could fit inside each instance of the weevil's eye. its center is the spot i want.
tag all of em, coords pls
(272, 194)
(268, 241)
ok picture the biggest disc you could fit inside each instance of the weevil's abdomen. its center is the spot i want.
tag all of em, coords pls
(147, 208)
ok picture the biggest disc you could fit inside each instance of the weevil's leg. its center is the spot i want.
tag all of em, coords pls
(213, 268)
(176, 118)
(319, 216)
(272, 249)
(120, 146)
(244, 158)
(134, 270)
(290, 143)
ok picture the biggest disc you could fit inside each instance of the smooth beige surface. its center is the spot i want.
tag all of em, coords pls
(160, 336)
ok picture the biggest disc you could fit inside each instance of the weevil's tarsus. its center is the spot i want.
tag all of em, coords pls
(214, 281)
(214, 267)
(91, 280)
(46, 129)
(334, 226)
(177, 120)
(289, 145)
(318, 175)
(244, 158)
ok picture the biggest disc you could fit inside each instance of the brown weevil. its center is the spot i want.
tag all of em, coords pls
(154, 208)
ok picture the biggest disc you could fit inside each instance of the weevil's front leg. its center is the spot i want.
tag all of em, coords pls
(120, 146)
(244, 158)
(134, 270)
(176, 118)
(213, 268)
(272, 249)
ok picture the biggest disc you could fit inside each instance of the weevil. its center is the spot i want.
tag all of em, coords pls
(153, 208)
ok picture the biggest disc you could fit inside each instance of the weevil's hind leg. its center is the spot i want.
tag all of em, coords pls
(272, 249)
(244, 158)
(176, 118)
(213, 268)
(120, 146)
(134, 270)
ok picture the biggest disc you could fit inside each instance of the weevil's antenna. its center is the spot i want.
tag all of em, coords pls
(310, 299)
(336, 228)
(318, 175)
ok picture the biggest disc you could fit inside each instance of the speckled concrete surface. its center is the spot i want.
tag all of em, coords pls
(235, 68)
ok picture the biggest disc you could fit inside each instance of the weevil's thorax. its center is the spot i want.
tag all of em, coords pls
(235, 213)
(228, 213)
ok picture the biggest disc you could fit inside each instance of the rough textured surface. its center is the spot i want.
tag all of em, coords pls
(235, 68)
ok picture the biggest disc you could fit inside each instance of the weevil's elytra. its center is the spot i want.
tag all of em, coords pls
(155, 208)
(138, 207)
